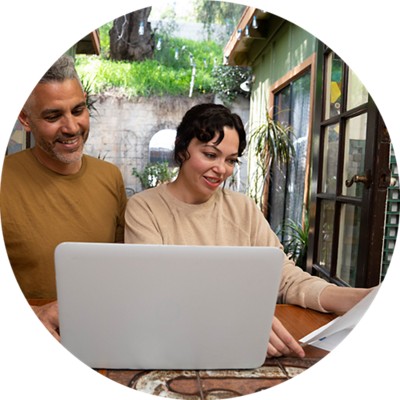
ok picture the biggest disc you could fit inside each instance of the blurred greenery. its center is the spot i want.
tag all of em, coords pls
(169, 72)
(154, 174)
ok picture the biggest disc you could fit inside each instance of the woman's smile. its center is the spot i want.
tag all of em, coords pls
(207, 167)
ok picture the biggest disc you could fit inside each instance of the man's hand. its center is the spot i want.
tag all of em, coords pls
(48, 315)
(281, 342)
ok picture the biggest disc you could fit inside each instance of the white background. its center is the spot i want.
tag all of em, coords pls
(33, 34)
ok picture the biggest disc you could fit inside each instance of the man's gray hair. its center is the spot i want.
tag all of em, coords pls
(61, 70)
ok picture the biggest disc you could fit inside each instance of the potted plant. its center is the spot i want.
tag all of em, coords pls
(295, 240)
(269, 142)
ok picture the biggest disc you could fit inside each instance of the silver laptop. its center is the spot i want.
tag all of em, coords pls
(128, 306)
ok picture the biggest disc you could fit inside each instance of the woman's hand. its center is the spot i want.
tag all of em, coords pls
(281, 342)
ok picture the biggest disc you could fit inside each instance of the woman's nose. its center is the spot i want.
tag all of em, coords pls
(220, 167)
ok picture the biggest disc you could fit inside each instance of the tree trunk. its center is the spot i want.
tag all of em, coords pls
(127, 42)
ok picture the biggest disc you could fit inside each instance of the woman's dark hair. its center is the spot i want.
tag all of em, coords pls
(203, 122)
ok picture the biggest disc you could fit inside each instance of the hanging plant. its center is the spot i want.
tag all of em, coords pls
(269, 142)
(227, 80)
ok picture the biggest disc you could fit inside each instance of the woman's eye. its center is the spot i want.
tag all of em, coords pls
(210, 155)
(232, 161)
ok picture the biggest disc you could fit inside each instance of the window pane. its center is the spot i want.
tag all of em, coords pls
(330, 160)
(356, 131)
(325, 236)
(333, 85)
(292, 107)
(349, 236)
(298, 166)
(277, 196)
(356, 92)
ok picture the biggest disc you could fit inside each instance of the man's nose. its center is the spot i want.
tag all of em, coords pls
(70, 124)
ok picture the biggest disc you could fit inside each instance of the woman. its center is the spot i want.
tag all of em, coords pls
(195, 210)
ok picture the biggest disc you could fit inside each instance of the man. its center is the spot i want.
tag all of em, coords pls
(53, 193)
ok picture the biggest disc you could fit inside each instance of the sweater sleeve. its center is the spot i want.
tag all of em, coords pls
(297, 286)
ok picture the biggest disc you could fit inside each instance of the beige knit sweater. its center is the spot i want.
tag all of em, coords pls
(228, 218)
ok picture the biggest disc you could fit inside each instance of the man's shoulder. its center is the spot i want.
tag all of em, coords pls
(17, 157)
(102, 165)
(16, 161)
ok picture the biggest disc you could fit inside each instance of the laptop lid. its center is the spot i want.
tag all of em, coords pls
(129, 306)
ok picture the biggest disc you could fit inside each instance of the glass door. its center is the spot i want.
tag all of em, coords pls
(351, 179)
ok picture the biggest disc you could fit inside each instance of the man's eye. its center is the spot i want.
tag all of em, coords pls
(79, 111)
(52, 118)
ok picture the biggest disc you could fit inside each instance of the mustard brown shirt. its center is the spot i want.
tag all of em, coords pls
(41, 208)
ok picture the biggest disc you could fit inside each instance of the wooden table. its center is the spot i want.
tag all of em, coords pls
(222, 384)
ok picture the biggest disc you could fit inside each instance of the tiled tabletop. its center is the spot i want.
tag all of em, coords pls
(221, 384)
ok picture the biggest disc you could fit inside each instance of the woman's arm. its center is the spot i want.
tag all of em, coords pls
(339, 299)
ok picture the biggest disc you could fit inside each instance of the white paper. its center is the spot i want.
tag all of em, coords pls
(331, 334)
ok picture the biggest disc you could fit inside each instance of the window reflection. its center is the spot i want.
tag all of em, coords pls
(356, 92)
(354, 161)
(326, 234)
(349, 236)
(330, 158)
(333, 86)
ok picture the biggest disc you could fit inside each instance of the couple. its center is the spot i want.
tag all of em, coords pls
(53, 193)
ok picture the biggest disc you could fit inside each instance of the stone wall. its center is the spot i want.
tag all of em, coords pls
(121, 129)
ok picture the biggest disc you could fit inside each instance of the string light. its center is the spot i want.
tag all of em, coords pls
(254, 24)
(176, 54)
(159, 44)
(141, 28)
(192, 79)
(246, 31)
(239, 34)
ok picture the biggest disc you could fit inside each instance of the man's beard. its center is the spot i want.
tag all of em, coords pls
(64, 157)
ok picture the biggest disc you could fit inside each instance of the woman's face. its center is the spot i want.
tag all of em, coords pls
(208, 166)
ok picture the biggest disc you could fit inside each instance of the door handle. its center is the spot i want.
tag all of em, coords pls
(365, 179)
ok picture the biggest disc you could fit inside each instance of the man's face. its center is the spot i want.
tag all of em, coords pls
(57, 116)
